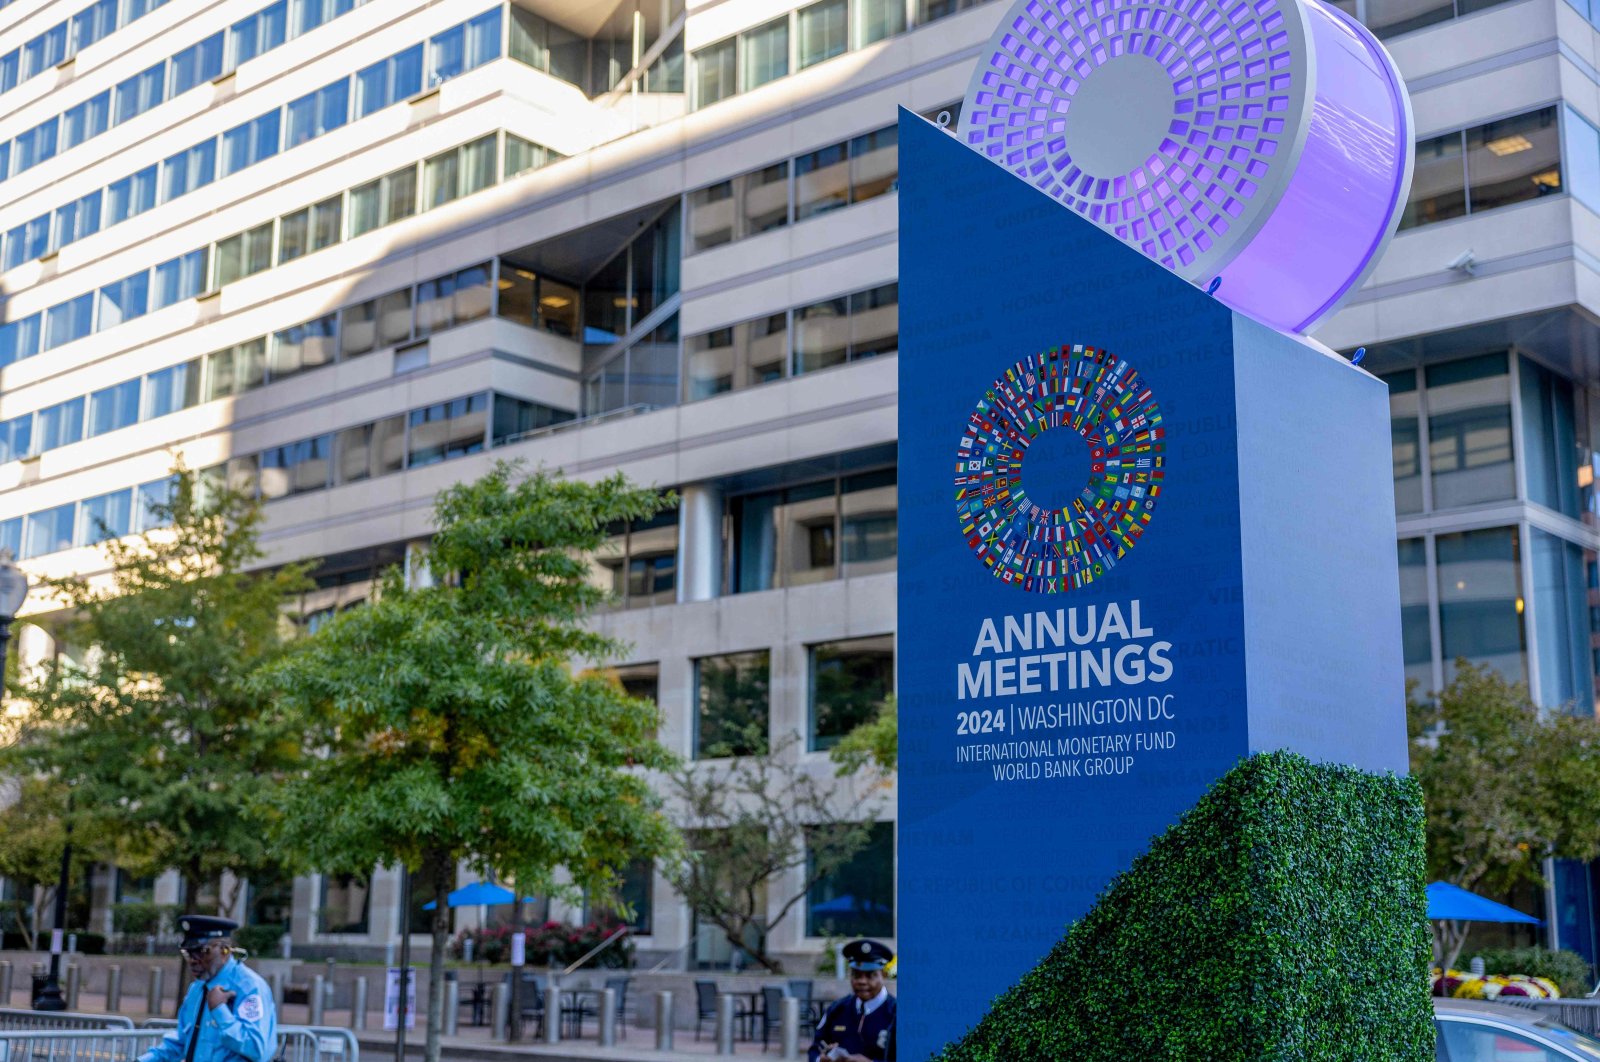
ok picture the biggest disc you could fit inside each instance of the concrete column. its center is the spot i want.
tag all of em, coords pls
(113, 989)
(699, 542)
(663, 1021)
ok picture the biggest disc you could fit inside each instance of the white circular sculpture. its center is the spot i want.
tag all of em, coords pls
(1265, 142)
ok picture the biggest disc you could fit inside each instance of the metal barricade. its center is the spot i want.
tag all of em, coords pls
(77, 1045)
(1582, 1015)
(13, 1019)
(296, 1043)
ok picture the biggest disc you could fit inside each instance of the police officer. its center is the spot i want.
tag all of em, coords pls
(860, 1027)
(228, 1014)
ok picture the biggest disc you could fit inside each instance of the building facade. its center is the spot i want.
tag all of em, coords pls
(348, 253)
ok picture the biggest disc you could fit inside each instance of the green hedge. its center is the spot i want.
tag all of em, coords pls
(1282, 918)
(1566, 968)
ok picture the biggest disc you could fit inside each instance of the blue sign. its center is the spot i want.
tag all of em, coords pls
(1141, 537)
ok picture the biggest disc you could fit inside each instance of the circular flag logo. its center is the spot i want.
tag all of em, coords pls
(1104, 401)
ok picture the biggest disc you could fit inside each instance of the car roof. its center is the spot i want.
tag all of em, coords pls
(1524, 1017)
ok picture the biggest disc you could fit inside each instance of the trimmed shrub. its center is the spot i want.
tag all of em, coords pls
(261, 941)
(1282, 918)
(1566, 968)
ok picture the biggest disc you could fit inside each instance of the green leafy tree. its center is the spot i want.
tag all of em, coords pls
(450, 724)
(875, 742)
(33, 823)
(1507, 785)
(148, 715)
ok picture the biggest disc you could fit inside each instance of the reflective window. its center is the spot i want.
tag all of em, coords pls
(113, 408)
(171, 389)
(296, 468)
(131, 196)
(45, 50)
(739, 356)
(877, 19)
(247, 144)
(524, 155)
(446, 430)
(394, 79)
(370, 450)
(58, 425)
(189, 170)
(310, 229)
(1581, 157)
(1496, 164)
(69, 320)
(236, 369)
(152, 504)
(140, 92)
(1479, 1043)
(1480, 601)
(243, 255)
(1549, 437)
(849, 682)
(88, 119)
(259, 33)
(1405, 441)
(35, 146)
(384, 201)
(318, 113)
(303, 347)
(1561, 616)
(764, 54)
(49, 531)
(20, 339)
(197, 63)
(105, 517)
(731, 704)
(516, 417)
(183, 277)
(857, 898)
(793, 536)
(465, 47)
(822, 181)
(1416, 637)
(93, 23)
(1469, 431)
(380, 322)
(344, 905)
(28, 241)
(16, 437)
(716, 72)
(822, 30)
(124, 300)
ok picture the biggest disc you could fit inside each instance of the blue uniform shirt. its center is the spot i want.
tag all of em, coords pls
(871, 1035)
(245, 1029)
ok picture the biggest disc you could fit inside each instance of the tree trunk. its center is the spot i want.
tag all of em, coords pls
(441, 873)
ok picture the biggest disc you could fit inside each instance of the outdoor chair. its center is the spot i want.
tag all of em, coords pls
(771, 1015)
(589, 1004)
(705, 1005)
(532, 1002)
(801, 990)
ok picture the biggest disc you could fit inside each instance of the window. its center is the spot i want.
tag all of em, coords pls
(11, 535)
(446, 430)
(171, 389)
(1469, 431)
(638, 565)
(874, 164)
(441, 179)
(131, 196)
(305, 346)
(765, 54)
(524, 155)
(1406, 442)
(197, 64)
(877, 19)
(736, 357)
(731, 704)
(478, 164)
(49, 531)
(140, 92)
(183, 277)
(344, 905)
(370, 450)
(16, 437)
(28, 241)
(384, 201)
(93, 23)
(1566, 662)
(86, 120)
(309, 14)
(247, 144)
(45, 50)
(1496, 164)
(380, 322)
(849, 683)
(105, 517)
(58, 425)
(749, 204)
(10, 69)
(933, 10)
(515, 417)
(78, 219)
(793, 536)
(310, 229)
(1415, 636)
(319, 112)
(296, 468)
(20, 339)
(153, 504)
(715, 72)
(236, 369)
(857, 898)
(69, 320)
(465, 47)
(35, 146)
(259, 33)
(1481, 602)
(822, 181)
(396, 78)
(1470, 1042)
(536, 301)
(243, 255)
(124, 300)
(113, 408)
(1549, 438)
(823, 30)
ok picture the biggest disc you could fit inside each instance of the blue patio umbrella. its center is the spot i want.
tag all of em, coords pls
(1451, 903)
(478, 894)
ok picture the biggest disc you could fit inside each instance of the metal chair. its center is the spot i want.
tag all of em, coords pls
(705, 1005)
(771, 1013)
(532, 1003)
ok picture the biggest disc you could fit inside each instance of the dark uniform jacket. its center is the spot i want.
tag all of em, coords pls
(871, 1035)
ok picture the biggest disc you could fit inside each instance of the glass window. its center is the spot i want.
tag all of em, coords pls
(10, 69)
(518, 294)
(821, 181)
(344, 905)
(294, 235)
(446, 430)
(86, 120)
(36, 145)
(1405, 440)
(1469, 1043)
(441, 178)
(731, 704)
(447, 54)
(857, 899)
(124, 300)
(131, 196)
(197, 63)
(823, 31)
(16, 437)
(473, 297)
(1561, 615)
(478, 164)
(1387, 18)
(58, 425)
(1549, 437)
(20, 339)
(49, 531)
(875, 322)
(1416, 638)
(140, 92)
(188, 170)
(605, 304)
(524, 155)
(305, 346)
(366, 208)
(877, 19)
(666, 73)
(236, 369)
(171, 389)
(874, 164)
(296, 468)
(247, 144)
(1582, 159)
(515, 417)
(849, 682)
(868, 522)
(108, 516)
(1513, 160)
(370, 450)
(260, 33)
(434, 304)
(69, 320)
(711, 216)
(1469, 431)
(11, 535)
(318, 113)
(180, 278)
(327, 218)
(396, 78)
(742, 355)
(1438, 183)
(1480, 601)
(763, 199)
(93, 23)
(715, 68)
(28, 241)
(309, 14)
(765, 54)
(45, 50)
(822, 335)
(558, 307)
(482, 39)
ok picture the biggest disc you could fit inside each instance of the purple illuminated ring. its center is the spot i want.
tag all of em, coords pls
(1266, 142)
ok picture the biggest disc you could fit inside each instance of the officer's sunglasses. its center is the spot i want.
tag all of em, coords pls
(196, 951)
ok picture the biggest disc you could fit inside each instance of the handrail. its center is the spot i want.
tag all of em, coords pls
(621, 931)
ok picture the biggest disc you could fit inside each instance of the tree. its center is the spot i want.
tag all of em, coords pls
(33, 821)
(753, 820)
(148, 716)
(450, 725)
(1507, 785)
(875, 742)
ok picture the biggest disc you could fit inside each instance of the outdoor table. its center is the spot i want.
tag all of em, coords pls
(574, 1012)
(478, 1000)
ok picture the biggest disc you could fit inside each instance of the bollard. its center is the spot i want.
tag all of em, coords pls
(276, 981)
(149, 944)
(663, 1021)
(608, 1018)
(74, 983)
(5, 984)
(500, 1013)
(153, 993)
(552, 1015)
(358, 1005)
(724, 1025)
(314, 1001)
(113, 989)
(791, 1027)
(452, 1007)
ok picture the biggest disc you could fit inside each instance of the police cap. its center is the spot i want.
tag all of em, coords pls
(202, 929)
(867, 955)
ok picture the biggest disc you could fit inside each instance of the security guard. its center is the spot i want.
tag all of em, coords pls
(860, 1027)
(228, 1014)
